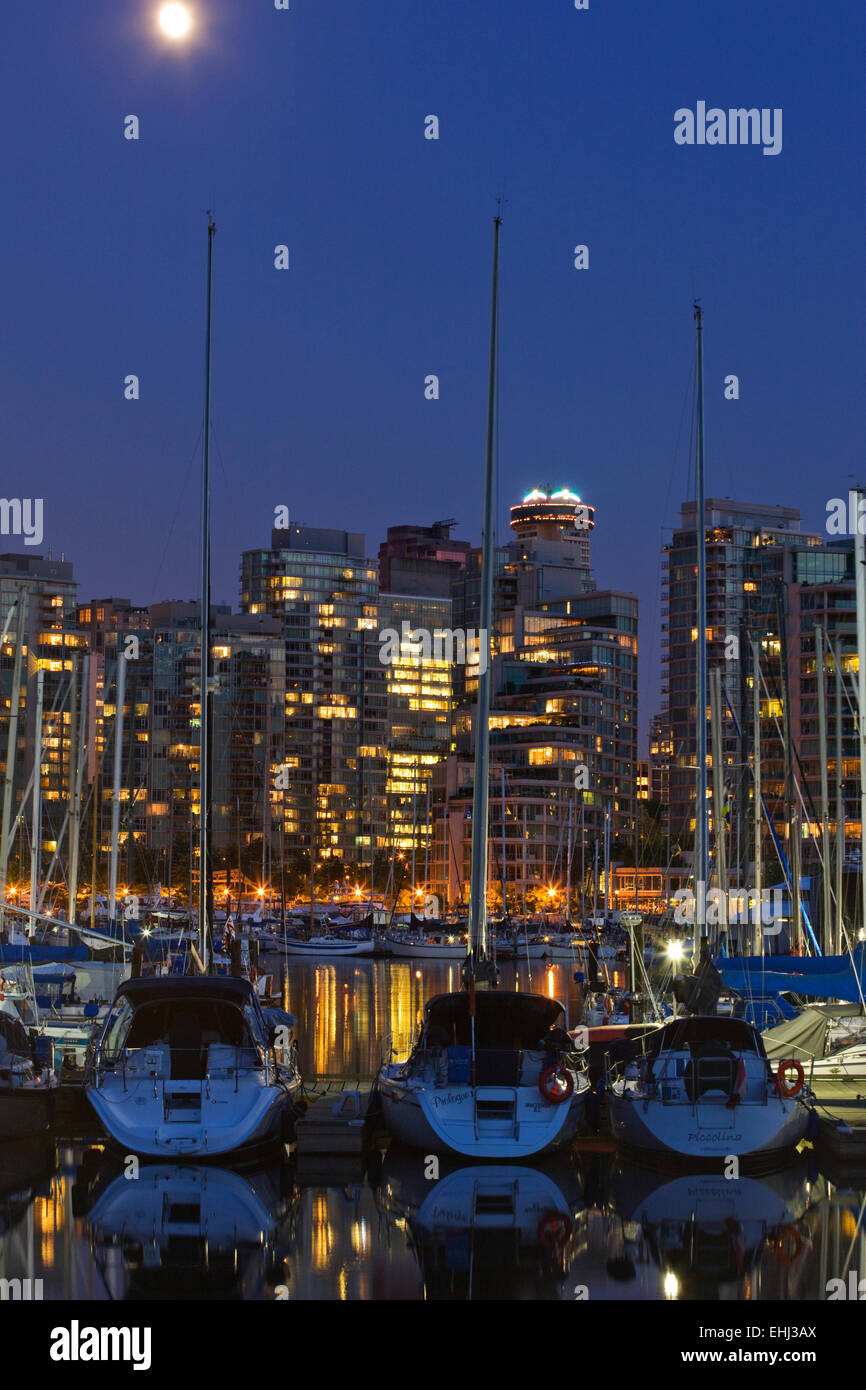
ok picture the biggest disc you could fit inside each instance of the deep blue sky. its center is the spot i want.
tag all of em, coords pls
(306, 127)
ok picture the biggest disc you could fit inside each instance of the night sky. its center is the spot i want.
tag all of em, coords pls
(306, 127)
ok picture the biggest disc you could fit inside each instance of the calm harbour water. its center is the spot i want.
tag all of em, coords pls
(571, 1227)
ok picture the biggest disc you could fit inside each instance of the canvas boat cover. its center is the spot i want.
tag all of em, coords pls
(802, 1037)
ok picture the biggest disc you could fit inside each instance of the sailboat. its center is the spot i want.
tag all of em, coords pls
(192, 1067)
(492, 1075)
(703, 1086)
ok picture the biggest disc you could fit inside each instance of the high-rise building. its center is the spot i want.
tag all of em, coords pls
(53, 645)
(323, 590)
(743, 543)
(769, 583)
(160, 765)
(563, 715)
(421, 560)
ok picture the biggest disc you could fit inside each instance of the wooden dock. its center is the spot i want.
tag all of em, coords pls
(841, 1110)
(338, 1120)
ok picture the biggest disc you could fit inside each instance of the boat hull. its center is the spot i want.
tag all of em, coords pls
(423, 950)
(708, 1129)
(326, 949)
(135, 1120)
(446, 1119)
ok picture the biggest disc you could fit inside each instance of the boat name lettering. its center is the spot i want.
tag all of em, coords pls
(452, 1099)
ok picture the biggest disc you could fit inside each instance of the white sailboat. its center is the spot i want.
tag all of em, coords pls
(189, 1067)
(492, 1075)
(704, 1087)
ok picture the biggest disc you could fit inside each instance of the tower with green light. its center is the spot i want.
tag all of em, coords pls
(559, 517)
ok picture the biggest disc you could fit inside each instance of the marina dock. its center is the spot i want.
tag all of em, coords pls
(841, 1110)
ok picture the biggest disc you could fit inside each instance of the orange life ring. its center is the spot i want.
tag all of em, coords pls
(788, 1257)
(553, 1230)
(552, 1092)
(785, 1091)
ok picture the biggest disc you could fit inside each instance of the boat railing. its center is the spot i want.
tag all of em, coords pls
(670, 1078)
(246, 1057)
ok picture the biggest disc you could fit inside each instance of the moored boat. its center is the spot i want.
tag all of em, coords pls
(704, 1088)
(526, 1095)
(190, 1067)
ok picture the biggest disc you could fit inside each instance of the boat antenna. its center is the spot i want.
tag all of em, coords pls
(205, 885)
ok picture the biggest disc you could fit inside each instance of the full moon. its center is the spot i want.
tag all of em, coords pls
(174, 20)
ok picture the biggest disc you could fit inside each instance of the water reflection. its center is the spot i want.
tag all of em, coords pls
(564, 1229)
(708, 1234)
(184, 1231)
(353, 1012)
(589, 1226)
(484, 1231)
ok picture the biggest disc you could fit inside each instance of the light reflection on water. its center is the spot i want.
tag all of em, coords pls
(350, 1012)
(570, 1227)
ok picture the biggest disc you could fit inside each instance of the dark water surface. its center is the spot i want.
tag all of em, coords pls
(575, 1226)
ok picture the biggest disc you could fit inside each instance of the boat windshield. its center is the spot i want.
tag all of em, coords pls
(510, 1020)
(188, 1023)
(685, 1033)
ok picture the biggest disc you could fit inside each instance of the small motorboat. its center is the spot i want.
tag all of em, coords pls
(703, 1087)
(191, 1067)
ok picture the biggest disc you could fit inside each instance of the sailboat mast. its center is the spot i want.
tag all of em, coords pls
(77, 740)
(480, 802)
(827, 922)
(11, 748)
(205, 887)
(758, 827)
(35, 825)
(120, 697)
(701, 702)
(840, 803)
(860, 593)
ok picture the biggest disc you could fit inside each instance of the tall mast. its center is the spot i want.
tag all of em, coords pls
(36, 822)
(758, 827)
(480, 802)
(827, 923)
(568, 863)
(11, 748)
(701, 703)
(77, 739)
(120, 696)
(205, 885)
(504, 860)
(860, 592)
(840, 803)
(718, 787)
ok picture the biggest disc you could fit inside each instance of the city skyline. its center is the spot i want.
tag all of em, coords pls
(649, 624)
(309, 130)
